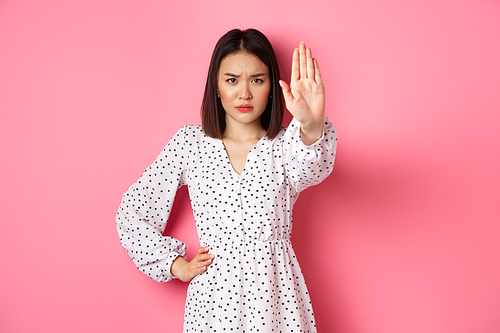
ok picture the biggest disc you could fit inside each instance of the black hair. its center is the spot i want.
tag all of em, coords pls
(213, 115)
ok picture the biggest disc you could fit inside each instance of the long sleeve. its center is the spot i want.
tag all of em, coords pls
(308, 165)
(145, 208)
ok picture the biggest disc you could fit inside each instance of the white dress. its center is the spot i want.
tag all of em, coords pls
(254, 283)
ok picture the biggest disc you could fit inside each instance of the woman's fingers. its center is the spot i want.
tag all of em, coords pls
(303, 60)
(305, 95)
(303, 64)
(295, 76)
(203, 253)
(203, 259)
(186, 271)
(310, 64)
(202, 249)
(317, 73)
(287, 94)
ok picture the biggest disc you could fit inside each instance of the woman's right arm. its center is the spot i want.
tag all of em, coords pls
(145, 208)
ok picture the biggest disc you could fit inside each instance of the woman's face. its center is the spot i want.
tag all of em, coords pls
(243, 85)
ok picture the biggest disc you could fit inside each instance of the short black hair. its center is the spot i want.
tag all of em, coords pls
(213, 115)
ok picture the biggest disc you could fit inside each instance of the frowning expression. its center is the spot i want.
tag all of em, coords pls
(243, 85)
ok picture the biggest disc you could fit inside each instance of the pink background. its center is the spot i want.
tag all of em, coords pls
(403, 237)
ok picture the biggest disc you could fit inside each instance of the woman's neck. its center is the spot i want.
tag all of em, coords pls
(243, 132)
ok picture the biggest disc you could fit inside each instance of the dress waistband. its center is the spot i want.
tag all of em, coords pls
(246, 242)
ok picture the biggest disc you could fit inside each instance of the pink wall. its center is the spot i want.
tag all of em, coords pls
(403, 237)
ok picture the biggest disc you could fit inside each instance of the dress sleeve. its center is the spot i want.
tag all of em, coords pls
(308, 165)
(145, 208)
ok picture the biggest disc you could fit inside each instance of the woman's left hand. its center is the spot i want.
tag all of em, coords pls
(305, 96)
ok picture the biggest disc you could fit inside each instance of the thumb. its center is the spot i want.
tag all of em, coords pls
(287, 92)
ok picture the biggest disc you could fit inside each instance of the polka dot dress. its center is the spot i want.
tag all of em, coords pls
(255, 283)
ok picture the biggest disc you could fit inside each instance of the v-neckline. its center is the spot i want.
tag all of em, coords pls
(231, 167)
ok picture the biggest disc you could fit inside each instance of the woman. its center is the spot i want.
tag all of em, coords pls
(244, 173)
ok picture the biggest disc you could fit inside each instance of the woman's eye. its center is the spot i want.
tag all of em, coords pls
(258, 80)
(231, 80)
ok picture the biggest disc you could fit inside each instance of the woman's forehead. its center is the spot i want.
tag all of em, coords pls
(241, 62)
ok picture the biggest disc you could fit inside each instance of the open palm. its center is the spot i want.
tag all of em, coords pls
(305, 96)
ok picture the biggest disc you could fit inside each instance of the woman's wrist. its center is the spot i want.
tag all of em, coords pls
(177, 266)
(311, 133)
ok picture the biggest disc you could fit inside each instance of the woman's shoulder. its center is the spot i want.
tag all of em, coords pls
(194, 129)
(192, 134)
(189, 131)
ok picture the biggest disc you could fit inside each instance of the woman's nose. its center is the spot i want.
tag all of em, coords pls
(245, 92)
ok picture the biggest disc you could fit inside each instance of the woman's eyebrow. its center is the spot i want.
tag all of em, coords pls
(253, 75)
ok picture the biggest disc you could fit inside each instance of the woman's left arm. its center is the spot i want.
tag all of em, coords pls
(305, 96)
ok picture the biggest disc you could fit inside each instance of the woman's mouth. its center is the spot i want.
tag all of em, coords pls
(244, 108)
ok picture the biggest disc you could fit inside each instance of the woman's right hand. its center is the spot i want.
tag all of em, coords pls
(186, 270)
